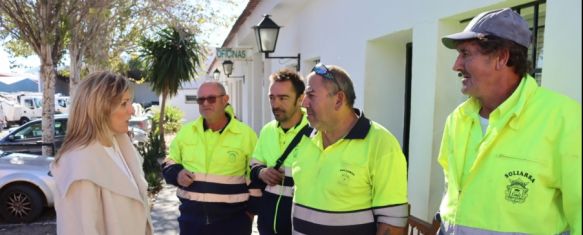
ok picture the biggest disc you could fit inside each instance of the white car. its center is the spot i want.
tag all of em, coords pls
(26, 186)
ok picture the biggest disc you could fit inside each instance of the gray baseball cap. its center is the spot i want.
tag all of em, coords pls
(504, 23)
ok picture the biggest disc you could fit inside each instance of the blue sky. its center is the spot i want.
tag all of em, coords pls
(215, 38)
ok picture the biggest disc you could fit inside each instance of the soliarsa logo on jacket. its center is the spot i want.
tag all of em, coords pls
(516, 190)
(345, 176)
(233, 155)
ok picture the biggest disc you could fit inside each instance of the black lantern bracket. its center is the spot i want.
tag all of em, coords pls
(266, 33)
(285, 57)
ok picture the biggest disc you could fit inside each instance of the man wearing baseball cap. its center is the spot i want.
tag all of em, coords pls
(511, 153)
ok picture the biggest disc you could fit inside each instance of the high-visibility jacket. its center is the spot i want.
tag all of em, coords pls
(523, 175)
(271, 144)
(220, 161)
(273, 141)
(353, 184)
(230, 111)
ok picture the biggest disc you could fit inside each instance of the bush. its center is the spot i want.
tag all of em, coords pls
(173, 119)
(151, 151)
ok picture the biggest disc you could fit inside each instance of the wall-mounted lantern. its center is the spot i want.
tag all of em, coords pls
(228, 69)
(216, 74)
(266, 33)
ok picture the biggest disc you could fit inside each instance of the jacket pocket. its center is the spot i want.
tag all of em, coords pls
(519, 157)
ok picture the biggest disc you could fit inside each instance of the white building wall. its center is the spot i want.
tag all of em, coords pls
(368, 38)
(562, 52)
(190, 109)
(179, 100)
(143, 94)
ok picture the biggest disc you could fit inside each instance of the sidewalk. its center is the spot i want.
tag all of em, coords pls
(165, 211)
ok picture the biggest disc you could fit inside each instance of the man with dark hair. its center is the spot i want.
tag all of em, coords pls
(511, 153)
(273, 206)
(351, 176)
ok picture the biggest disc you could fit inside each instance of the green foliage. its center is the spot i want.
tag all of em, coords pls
(132, 69)
(172, 57)
(65, 73)
(172, 121)
(152, 151)
(18, 48)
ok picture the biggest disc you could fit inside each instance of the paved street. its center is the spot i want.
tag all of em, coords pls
(45, 225)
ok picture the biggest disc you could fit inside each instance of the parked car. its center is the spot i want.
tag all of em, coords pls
(142, 122)
(138, 136)
(26, 187)
(27, 138)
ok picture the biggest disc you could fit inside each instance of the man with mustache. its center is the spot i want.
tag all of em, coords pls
(511, 153)
(273, 207)
(351, 176)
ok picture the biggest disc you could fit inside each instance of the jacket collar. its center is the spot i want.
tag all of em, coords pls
(232, 125)
(205, 126)
(361, 128)
(511, 107)
(92, 163)
(303, 121)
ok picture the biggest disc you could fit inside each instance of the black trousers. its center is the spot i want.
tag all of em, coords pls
(267, 215)
(238, 224)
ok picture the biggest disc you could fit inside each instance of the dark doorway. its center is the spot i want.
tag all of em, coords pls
(407, 111)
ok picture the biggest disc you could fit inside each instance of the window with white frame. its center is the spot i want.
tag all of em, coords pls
(190, 99)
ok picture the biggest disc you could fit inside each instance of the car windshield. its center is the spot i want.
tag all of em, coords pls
(38, 103)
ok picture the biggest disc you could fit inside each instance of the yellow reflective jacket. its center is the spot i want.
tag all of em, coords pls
(526, 172)
(353, 184)
(229, 156)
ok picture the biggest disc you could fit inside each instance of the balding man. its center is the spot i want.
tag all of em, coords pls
(351, 176)
(208, 162)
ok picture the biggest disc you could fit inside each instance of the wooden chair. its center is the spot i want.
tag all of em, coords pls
(416, 226)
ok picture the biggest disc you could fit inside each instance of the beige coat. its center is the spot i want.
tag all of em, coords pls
(94, 196)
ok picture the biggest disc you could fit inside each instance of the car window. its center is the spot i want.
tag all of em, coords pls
(38, 103)
(60, 127)
(29, 103)
(33, 130)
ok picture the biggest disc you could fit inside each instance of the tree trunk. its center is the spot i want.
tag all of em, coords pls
(75, 64)
(162, 118)
(48, 74)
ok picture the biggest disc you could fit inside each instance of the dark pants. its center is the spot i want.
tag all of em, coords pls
(267, 215)
(238, 224)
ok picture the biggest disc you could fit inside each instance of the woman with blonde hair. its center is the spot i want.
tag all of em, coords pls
(100, 182)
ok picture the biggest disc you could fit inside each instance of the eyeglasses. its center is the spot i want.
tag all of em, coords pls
(322, 70)
(210, 99)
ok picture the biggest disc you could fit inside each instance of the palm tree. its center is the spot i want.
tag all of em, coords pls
(172, 57)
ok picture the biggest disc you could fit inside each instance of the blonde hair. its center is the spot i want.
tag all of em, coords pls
(92, 104)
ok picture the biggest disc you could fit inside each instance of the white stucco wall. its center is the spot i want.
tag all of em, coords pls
(562, 51)
(179, 100)
(190, 109)
(367, 38)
